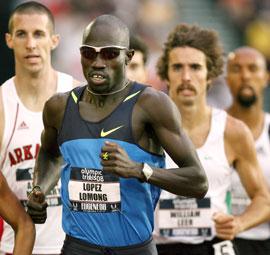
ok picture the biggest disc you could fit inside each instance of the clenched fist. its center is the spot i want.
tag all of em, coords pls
(37, 206)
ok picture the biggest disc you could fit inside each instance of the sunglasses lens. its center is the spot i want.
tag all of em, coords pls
(105, 53)
(88, 53)
(110, 53)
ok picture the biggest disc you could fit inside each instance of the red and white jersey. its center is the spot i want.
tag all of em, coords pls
(20, 146)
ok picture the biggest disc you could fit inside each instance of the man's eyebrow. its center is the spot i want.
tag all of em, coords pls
(19, 30)
(24, 30)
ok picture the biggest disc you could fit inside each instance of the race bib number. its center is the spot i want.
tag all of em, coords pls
(224, 248)
(185, 217)
(94, 191)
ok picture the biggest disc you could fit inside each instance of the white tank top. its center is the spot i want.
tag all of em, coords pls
(20, 145)
(188, 220)
(240, 199)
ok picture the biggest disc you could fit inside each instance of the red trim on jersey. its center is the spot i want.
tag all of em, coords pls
(2, 163)
(9, 141)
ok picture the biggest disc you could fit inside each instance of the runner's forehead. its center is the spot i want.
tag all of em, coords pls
(247, 56)
(104, 34)
(31, 22)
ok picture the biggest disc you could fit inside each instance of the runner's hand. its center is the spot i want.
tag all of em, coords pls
(227, 226)
(37, 206)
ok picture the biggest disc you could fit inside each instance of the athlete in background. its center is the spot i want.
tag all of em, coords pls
(136, 69)
(247, 78)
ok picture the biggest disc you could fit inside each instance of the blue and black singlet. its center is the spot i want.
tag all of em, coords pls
(101, 208)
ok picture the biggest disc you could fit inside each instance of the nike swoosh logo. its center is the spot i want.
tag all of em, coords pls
(132, 95)
(105, 133)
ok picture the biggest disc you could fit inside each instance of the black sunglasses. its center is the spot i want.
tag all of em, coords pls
(106, 53)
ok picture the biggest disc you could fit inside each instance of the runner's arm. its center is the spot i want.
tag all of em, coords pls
(48, 164)
(14, 214)
(237, 137)
(157, 110)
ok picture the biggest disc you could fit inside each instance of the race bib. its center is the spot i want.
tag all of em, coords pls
(185, 217)
(224, 248)
(93, 190)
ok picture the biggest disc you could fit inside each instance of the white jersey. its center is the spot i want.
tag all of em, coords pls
(189, 220)
(20, 146)
(240, 199)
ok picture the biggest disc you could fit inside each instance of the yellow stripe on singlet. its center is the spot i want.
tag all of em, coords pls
(75, 98)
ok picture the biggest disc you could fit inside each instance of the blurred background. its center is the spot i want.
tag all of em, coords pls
(238, 22)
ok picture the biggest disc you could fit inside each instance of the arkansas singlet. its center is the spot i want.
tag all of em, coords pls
(101, 208)
(20, 146)
(240, 199)
(189, 220)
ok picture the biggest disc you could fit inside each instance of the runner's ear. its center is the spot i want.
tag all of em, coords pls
(55, 41)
